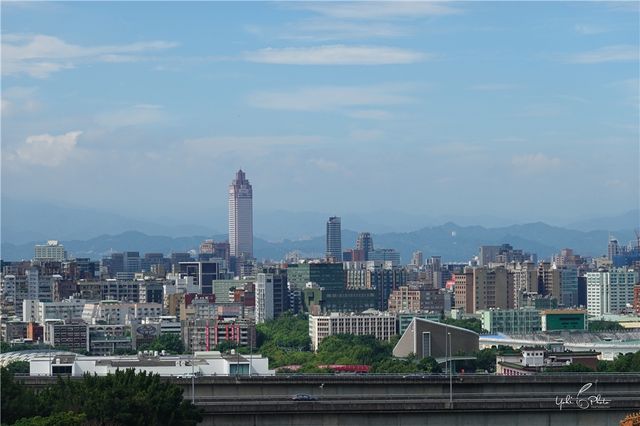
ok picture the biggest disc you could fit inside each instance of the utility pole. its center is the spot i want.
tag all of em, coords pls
(450, 373)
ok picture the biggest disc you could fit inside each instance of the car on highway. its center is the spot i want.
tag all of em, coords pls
(303, 397)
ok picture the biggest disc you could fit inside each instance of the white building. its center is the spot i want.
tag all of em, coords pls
(382, 325)
(264, 298)
(113, 312)
(610, 292)
(53, 250)
(35, 311)
(200, 364)
(241, 216)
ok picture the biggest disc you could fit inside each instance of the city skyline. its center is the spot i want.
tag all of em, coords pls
(452, 100)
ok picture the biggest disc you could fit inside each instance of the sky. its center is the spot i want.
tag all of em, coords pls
(508, 109)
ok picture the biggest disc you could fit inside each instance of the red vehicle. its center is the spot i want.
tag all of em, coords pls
(352, 368)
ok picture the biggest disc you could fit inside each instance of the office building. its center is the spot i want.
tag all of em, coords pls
(610, 291)
(325, 275)
(53, 250)
(492, 288)
(241, 217)
(365, 243)
(463, 291)
(272, 296)
(384, 255)
(203, 273)
(417, 259)
(334, 239)
(413, 299)
(382, 325)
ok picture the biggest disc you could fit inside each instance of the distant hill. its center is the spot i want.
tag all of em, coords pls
(629, 220)
(26, 221)
(451, 241)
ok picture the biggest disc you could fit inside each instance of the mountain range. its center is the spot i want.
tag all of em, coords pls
(451, 241)
(89, 232)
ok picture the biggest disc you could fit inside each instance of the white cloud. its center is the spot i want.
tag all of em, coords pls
(39, 55)
(336, 55)
(330, 98)
(619, 53)
(19, 99)
(493, 87)
(215, 146)
(48, 150)
(534, 163)
(366, 10)
(135, 115)
(586, 29)
(327, 29)
(325, 165)
(364, 135)
(370, 114)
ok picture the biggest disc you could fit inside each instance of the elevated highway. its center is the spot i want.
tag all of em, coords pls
(406, 400)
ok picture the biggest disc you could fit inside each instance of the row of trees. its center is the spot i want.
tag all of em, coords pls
(123, 398)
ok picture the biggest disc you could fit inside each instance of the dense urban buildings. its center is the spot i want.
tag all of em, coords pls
(213, 297)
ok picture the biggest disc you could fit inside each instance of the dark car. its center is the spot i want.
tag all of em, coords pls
(303, 397)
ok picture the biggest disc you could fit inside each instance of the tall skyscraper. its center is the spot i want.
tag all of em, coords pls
(364, 243)
(241, 216)
(334, 239)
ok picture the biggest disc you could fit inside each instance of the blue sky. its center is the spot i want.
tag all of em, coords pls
(510, 109)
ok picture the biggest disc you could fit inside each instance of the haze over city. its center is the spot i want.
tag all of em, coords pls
(499, 113)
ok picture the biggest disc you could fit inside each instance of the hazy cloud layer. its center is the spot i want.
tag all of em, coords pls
(39, 55)
(332, 98)
(336, 55)
(620, 53)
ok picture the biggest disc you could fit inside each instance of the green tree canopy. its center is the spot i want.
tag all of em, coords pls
(169, 342)
(123, 398)
(604, 326)
(473, 324)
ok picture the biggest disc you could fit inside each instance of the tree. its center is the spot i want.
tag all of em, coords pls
(486, 360)
(124, 398)
(68, 418)
(17, 401)
(472, 324)
(286, 331)
(429, 365)
(574, 368)
(18, 367)
(168, 342)
(605, 326)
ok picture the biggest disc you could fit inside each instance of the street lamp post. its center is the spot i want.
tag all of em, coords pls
(193, 379)
(450, 372)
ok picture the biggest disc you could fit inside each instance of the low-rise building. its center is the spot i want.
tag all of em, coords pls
(72, 336)
(511, 321)
(425, 338)
(206, 334)
(382, 325)
(109, 339)
(532, 360)
(114, 312)
(563, 319)
(201, 364)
